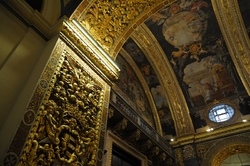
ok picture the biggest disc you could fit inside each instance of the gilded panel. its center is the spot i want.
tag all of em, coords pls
(65, 116)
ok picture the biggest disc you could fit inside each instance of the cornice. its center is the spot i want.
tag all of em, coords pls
(90, 52)
(215, 134)
(35, 19)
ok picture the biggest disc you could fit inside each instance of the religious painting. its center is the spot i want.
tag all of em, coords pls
(147, 71)
(191, 38)
(153, 83)
(244, 6)
(130, 85)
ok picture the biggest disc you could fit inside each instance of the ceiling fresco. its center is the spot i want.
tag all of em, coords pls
(190, 37)
(155, 87)
(129, 83)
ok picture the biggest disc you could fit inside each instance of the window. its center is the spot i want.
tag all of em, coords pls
(221, 113)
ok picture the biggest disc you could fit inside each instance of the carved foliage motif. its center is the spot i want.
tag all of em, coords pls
(107, 20)
(66, 130)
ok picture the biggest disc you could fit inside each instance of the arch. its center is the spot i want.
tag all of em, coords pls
(225, 148)
(95, 16)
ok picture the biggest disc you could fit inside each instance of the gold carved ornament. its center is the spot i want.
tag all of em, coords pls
(66, 130)
(228, 15)
(229, 151)
(107, 21)
(179, 157)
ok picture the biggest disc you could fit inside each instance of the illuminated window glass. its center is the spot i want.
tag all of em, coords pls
(221, 113)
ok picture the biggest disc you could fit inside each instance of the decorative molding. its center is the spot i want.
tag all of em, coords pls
(235, 129)
(224, 148)
(174, 95)
(234, 32)
(89, 52)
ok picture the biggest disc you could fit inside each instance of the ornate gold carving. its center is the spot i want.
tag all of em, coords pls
(66, 130)
(229, 151)
(201, 150)
(224, 148)
(233, 29)
(217, 133)
(88, 52)
(106, 21)
(179, 159)
(176, 101)
(188, 152)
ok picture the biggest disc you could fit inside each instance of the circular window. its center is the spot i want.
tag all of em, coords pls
(221, 113)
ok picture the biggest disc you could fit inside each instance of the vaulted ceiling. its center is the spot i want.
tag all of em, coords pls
(178, 58)
(177, 53)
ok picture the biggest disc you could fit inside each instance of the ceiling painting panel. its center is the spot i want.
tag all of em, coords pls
(191, 38)
(130, 85)
(156, 89)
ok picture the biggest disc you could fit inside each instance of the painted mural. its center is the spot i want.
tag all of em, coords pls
(190, 36)
(153, 83)
(245, 12)
(130, 85)
(188, 32)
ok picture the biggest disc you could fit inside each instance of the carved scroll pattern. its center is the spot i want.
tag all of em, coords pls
(66, 130)
(107, 20)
